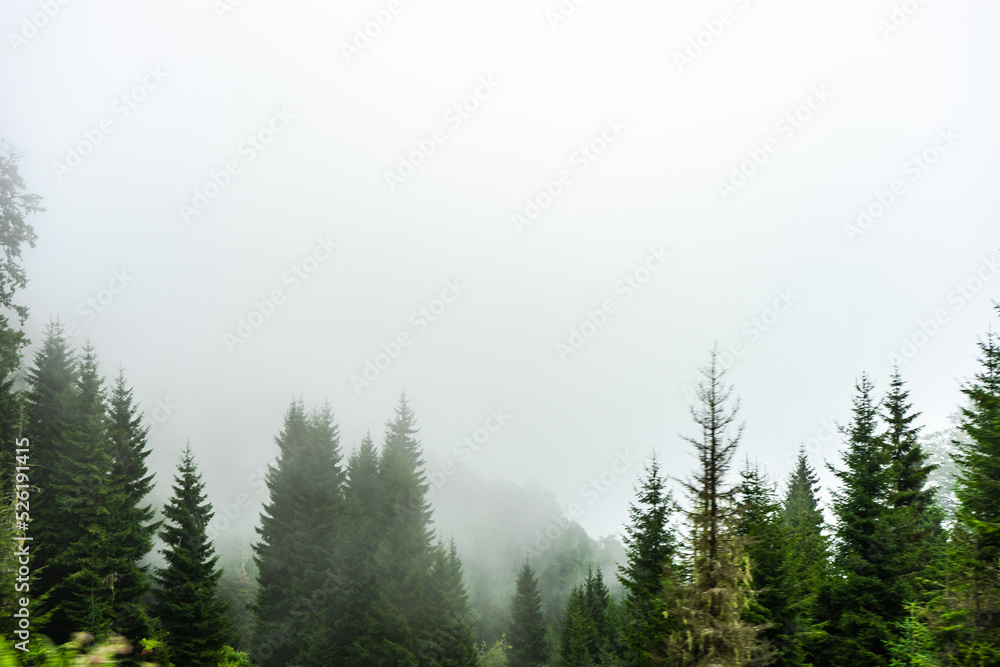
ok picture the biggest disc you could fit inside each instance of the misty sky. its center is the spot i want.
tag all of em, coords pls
(542, 213)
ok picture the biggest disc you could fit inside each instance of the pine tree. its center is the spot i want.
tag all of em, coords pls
(652, 551)
(974, 633)
(193, 617)
(298, 533)
(862, 603)
(807, 557)
(767, 547)
(86, 497)
(404, 556)
(49, 407)
(708, 611)
(527, 626)
(132, 524)
(579, 637)
(451, 641)
(913, 516)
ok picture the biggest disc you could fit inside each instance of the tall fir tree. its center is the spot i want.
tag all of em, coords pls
(652, 551)
(451, 641)
(403, 558)
(48, 424)
(347, 620)
(527, 625)
(913, 516)
(808, 553)
(85, 495)
(589, 632)
(132, 518)
(862, 602)
(767, 545)
(972, 633)
(708, 611)
(579, 639)
(298, 532)
(193, 616)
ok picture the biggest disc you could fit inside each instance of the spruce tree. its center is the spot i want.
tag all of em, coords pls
(404, 556)
(913, 516)
(579, 638)
(48, 419)
(767, 546)
(85, 494)
(707, 612)
(132, 524)
(451, 641)
(807, 558)
(348, 619)
(527, 627)
(651, 547)
(188, 605)
(298, 532)
(862, 602)
(973, 634)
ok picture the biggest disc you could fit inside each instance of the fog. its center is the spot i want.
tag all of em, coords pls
(535, 218)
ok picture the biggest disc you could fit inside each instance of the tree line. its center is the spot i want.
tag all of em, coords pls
(349, 570)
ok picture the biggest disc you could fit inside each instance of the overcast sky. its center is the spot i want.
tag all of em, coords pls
(582, 198)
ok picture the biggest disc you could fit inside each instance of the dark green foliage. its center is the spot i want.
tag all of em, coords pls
(579, 639)
(298, 532)
(807, 553)
(451, 641)
(652, 552)
(590, 633)
(49, 407)
(131, 518)
(913, 516)
(769, 549)
(85, 496)
(862, 604)
(527, 626)
(970, 621)
(188, 605)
